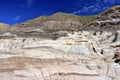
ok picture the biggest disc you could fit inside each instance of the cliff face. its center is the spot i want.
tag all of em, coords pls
(82, 55)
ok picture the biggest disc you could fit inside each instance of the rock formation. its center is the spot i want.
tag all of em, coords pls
(82, 55)
(53, 48)
(108, 20)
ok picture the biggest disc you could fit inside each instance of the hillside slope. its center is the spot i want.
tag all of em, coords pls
(51, 26)
(58, 19)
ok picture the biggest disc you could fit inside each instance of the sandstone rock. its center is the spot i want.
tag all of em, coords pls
(109, 52)
(81, 55)
(73, 55)
(8, 35)
(92, 65)
(36, 30)
(115, 44)
(80, 49)
(62, 33)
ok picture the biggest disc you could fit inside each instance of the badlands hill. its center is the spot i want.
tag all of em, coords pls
(52, 26)
(59, 24)
(75, 54)
(108, 20)
(58, 21)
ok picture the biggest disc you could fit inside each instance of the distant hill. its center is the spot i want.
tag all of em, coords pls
(58, 20)
(49, 26)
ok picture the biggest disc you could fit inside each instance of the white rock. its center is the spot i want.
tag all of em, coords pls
(80, 49)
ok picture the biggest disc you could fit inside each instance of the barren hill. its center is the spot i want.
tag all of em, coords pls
(51, 26)
(58, 20)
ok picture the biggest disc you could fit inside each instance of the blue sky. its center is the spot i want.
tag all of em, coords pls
(16, 11)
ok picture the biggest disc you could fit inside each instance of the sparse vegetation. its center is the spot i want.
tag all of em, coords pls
(87, 19)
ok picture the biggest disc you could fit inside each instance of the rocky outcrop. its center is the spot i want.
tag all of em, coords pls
(108, 20)
(84, 42)
(111, 13)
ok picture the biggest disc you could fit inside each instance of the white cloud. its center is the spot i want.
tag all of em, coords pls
(29, 3)
(92, 8)
(17, 17)
(110, 1)
(87, 9)
(96, 6)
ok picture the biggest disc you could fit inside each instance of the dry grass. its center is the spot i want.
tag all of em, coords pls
(3, 26)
